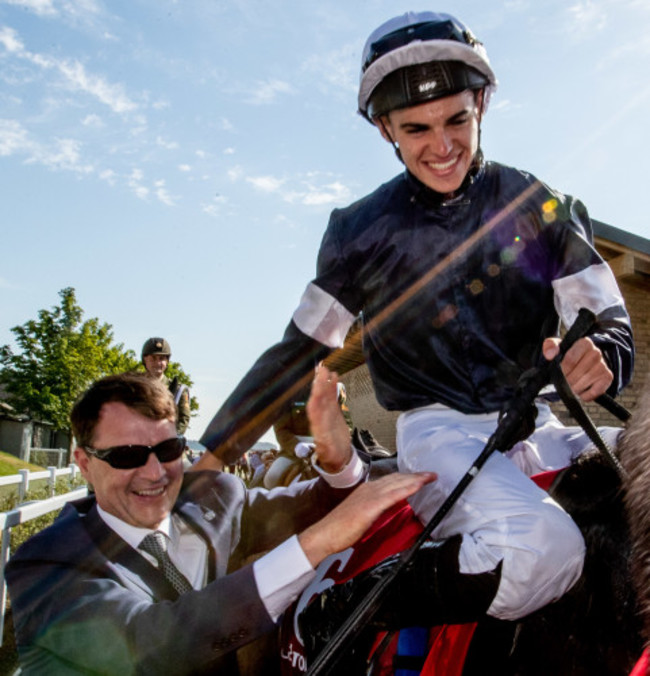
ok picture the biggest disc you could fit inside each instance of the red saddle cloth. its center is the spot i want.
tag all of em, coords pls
(642, 667)
(394, 531)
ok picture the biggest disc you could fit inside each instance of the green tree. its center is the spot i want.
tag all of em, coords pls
(58, 357)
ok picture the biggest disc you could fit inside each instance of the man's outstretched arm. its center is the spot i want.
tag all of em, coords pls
(259, 399)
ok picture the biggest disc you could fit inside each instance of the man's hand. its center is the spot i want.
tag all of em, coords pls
(584, 367)
(347, 522)
(328, 427)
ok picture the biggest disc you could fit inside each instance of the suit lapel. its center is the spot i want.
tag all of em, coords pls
(125, 560)
(198, 519)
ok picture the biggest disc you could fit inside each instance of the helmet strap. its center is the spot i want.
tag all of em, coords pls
(386, 135)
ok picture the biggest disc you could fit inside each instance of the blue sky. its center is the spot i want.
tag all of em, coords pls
(176, 162)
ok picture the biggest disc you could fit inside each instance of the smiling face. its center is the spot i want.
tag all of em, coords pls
(143, 496)
(438, 139)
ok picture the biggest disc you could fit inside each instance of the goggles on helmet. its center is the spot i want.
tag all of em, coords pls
(431, 30)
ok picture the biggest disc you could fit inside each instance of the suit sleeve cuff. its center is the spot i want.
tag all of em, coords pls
(281, 575)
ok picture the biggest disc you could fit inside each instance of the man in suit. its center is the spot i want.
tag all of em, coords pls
(89, 597)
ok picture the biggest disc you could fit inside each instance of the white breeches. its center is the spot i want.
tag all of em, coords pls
(502, 514)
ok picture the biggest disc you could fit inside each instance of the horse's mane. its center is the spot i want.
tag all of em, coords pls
(635, 457)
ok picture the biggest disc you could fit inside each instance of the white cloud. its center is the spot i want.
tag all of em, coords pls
(331, 193)
(267, 92)
(587, 18)
(167, 145)
(140, 122)
(184, 167)
(62, 154)
(75, 10)
(214, 208)
(504, 106)
(162, 194)
(112, 95)
(40, 7)
(309, 193)
(229, 151)
(108, 175)
(140, 191)
(10, 41)
(13, 138)
(338, 68)
(65, 154)
(134, 182)
(92, 121)
(73, 72)
(266, 183)
(235, 173)
(159, 191)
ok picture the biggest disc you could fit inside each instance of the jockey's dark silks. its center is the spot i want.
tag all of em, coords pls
(456, 297)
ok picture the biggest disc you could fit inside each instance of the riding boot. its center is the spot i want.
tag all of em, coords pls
(430, 591)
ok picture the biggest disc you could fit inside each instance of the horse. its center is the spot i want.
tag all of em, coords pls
(593, 629)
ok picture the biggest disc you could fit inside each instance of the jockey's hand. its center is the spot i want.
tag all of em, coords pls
(584, 367)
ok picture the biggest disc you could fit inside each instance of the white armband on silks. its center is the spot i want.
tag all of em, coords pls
(594, 288)
(349, 476)
(321, 317)
(281, 575)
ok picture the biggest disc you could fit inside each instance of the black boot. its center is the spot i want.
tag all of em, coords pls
(431, 590)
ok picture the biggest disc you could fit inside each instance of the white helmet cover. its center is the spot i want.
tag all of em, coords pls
(421, 51)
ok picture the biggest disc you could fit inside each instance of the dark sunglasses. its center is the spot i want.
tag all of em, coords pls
(132, 456)
(430, 30)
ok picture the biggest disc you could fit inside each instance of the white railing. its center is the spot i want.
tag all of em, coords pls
(60, 453)
(27, 512)
(24, 476)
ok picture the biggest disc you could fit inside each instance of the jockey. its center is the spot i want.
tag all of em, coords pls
(463, 270)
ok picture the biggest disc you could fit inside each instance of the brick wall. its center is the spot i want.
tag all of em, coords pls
(366, 412)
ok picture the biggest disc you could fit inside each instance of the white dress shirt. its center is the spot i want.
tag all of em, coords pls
(280, 575)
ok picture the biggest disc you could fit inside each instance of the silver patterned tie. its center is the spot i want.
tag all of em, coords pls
(156, 544)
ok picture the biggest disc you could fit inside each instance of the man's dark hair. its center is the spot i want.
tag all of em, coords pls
(146, 396)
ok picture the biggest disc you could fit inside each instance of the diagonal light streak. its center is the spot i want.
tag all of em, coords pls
(302, 364)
